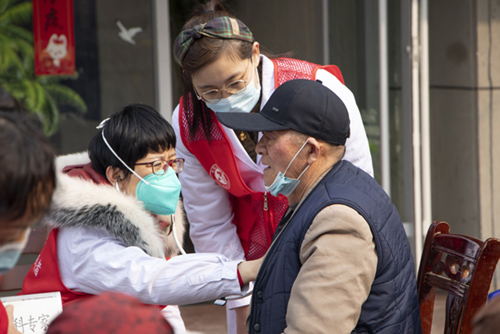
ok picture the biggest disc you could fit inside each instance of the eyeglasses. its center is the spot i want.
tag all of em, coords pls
(159, 167)
(215, 95)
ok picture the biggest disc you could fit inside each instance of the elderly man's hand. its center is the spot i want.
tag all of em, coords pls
(249, 270)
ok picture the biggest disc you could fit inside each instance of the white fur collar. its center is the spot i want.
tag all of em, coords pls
(78, 202)
(73, 193)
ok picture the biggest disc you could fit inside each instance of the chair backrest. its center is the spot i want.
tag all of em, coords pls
(12, 281)
(460, 265)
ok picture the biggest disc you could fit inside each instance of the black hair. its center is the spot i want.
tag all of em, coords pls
(132, 132)
(27, 168)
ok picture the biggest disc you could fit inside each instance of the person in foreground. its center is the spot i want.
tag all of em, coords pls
(108, 215)
(340, 261)
(27, 182)
(109, 313)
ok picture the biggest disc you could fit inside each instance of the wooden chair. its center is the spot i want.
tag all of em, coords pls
(12, 281)
(462, 266)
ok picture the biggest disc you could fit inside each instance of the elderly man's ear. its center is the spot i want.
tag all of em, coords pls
(313, 150)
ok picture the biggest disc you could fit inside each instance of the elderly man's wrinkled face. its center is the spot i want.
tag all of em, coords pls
(277, 149)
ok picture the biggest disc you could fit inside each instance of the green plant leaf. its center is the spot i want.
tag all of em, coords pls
(50, 116)
(9, 57)
(28, 56)
(40, 95)
(29, 96)
(20, 14)
(4, 4)
(65, 95)
(18, 33)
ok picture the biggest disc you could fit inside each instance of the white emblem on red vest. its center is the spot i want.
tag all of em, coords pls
(220, 177)
(37, 266)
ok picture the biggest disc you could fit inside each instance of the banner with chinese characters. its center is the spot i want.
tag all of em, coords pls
(33, 313)
(53, 36)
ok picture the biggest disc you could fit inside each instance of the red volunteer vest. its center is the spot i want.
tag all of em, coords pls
(44, 274)
(4, 320)
(256, 214)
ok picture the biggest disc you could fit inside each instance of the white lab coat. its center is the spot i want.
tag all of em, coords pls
(108, 242)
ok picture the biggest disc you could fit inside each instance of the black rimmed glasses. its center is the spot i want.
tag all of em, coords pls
(215, 95)
(159, 167)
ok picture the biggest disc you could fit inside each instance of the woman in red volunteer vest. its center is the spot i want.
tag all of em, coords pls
(222, 70)
(27, 181)
(108, 213)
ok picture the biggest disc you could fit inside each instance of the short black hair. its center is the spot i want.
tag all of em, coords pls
(132, 132)
(27, 167)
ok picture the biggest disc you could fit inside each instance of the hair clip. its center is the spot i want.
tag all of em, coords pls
(101, 125)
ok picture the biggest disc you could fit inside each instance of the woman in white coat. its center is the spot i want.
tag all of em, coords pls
(109, 214)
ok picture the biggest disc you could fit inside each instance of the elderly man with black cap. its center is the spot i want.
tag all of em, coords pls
(340, 261)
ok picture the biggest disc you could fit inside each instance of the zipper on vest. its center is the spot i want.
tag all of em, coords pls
(266, 207)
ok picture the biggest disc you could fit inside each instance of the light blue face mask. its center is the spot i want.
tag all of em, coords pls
(10, 253)
(243, 101)
(285, 185)
(158, 193)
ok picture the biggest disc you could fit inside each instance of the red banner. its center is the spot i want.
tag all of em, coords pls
(54, 39)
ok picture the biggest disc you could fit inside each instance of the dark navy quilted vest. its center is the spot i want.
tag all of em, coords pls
(392, 306)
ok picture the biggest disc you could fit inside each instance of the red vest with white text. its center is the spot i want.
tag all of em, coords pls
(256, 214)
(44, 274)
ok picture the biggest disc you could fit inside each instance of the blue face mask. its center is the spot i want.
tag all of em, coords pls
(158, 193)
(10, 253)
(243, 101)
(285, 185)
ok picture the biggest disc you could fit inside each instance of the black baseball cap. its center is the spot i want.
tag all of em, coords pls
(305, 106)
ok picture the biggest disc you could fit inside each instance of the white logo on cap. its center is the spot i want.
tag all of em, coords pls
(220, 177)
